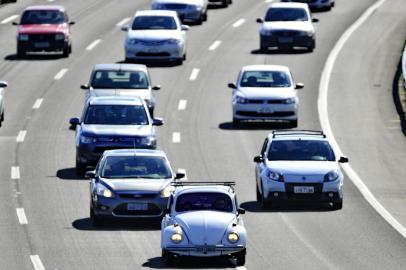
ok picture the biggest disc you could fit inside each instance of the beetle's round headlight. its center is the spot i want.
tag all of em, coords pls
(176, 238)
(233, 237)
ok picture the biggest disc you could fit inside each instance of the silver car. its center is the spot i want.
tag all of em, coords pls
(130, 183)
(2, 86)
(188, 10)
(122, 80)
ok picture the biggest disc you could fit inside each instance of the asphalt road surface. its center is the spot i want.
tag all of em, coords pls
(44, 188)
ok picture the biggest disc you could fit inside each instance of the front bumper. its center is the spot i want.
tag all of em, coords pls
(144, 52)
(205, 251)
(42, 46)
(265, 111)
(289, 42)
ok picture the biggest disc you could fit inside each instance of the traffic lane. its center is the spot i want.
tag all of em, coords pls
(365, 91)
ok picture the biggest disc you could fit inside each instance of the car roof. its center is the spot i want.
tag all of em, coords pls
(284, 135)
(265, 68)
(288, 5)
(134, 152)
(115, 100)
(117, 67)
(156, 13)
(45, 7)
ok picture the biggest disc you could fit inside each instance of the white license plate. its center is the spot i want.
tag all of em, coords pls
(285, 40)
(137, 206)
(41, 44)
(265, 110)
(303, 189)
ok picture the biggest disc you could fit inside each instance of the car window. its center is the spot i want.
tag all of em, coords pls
(286, 14)
(264, 147)
(135, 167)
(154, 23)
(42, 17)
(204, 201)
(104, 79)
(116, 115)
(265, 79)
(301, 150)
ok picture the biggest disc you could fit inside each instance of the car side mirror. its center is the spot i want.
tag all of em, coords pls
(156, 87)
(299, 86)
(90, 174)
(74, 122)
(14, 23)
(241, 211)
(157, 121)
(343, 160)
(71, 23)
(125, 28)
(184, 27)
(167, 211)
(84, 86)
(3, 84)
(179, 175)
(315, 20)
(232, 86)
(259, 20)
(258, 159)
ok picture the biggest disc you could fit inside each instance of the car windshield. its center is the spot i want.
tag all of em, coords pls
(105, 79)
(42, 17)
(146, 167)
(154, 23)
(265, 79)
(204, 201)
(286, 14)
(301, 150)
(116, 115)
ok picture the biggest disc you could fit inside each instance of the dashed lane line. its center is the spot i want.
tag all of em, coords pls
(238, 23)
(176, 137)
(15, 172)
(9, 19)
(21, 135)
(123, 21)
(22, 218)
(214, 45)
(194, 74)
(182, 104)
(36, 262)
(93, 45)
(37, 103)
(60, 74)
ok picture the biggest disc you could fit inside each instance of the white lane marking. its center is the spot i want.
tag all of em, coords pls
(238, 23)
(241, 268)
(60, 74)
(15, 172)
(176, 137)
(194, 74)
(93, 44)
(182, 104)
(22, 218)
(215, 45)
(123, 21)
(37, 103)
(36, 262)
(180, 170)
(50, 0)
(269, 1)
(9, 19)
(325, 122)
(21, 135)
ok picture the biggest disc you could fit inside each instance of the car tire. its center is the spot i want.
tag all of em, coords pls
(65, 52)
(225, 3)
(338, 205)
(70, 48)
(264, 203)
(230, 2)
(169, 257)
(312, 46)
(205, 16)
(240, 257)
(293, 123)
(179, 61)
(258, 195)
(20, 52)
(96, 221)
(236, 123)
(2, 117)
(80, 168)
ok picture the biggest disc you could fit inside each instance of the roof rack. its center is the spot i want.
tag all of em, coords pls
(286, 132)
(202, 183)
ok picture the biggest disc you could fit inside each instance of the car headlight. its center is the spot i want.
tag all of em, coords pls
(176, 238)
(166, 192)
(85, 139)
(104, 192)
(173, 41)
(158, 6)
(194, 7)
(331, 176)
(306, 33)
(23, 37)
(265, 32)
(59, 37)
(133, 41)
(240, 100)
(289, 100)
(274, 176)
(233, 237)
(146, 140)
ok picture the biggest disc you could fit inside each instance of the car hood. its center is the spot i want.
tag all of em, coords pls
(205, 227)
(139, 185)
(154, 34)
(142, 93)
(268, 92)
(294, 171)
(42, 28)
(187, 2)
(117, 130)
(298, 26)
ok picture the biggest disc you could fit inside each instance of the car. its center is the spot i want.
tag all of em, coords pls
(130, 183)
(298, 165)
(287, 26)
(7, 1)
(112, 123)
(2, 86)
(316, 4)
(155, 35)
(188, 10)
(44, 29)
(203, 220)
(265, 92)
(224, 3)
(122, 80)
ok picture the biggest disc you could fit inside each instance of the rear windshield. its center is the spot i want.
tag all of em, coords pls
(116, 115)
(286, 14)
(104, 79)
(204, 201)
(43, 17)
(265, 79)
(154, 23)
(301, 150)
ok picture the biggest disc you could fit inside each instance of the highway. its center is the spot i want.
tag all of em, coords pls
(40, 188)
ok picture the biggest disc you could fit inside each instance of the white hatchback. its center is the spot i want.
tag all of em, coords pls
(155, 35)
(265, 92)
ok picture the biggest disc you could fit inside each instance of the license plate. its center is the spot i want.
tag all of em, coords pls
(137, 206)
(303, 189)
(265, 110)
(41, 44)
(285, 40)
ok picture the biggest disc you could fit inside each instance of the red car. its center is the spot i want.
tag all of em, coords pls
(44, 29)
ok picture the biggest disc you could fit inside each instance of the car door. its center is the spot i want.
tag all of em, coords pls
(260, 167)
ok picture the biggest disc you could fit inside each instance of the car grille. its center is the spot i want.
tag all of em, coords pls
(160, 54)
(286, 33)
(137, 195)
(153, 210)
(318, 187)
(269, 101)
(273, 114)
(152, 42)
(120, 139)
(41, 37)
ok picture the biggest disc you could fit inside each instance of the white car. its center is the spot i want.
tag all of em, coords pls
(122, 80)
(188, 10)
(203, 220)
(2, 86)
(287, 26)
(265, 92)
(316, 4)
(156, 35)
(298, 165)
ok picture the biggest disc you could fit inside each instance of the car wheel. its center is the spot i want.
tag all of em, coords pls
(169, 257)
(225, 3)
(65, 52)
(230, 2)
(312, 46)
(338, 205)
(80, 168)
(240, 257)
(179, 61)
(70, 48)
(20, 52)
(293, 123)
(205, 16)
(236, 122)
(184, 57)
(258, 195)
(264, 203)
(333, 4)
(2, 117)
(96, 221)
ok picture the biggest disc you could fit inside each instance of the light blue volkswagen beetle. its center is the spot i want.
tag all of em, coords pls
(203, 220)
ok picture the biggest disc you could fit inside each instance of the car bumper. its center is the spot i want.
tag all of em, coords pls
(46, 46)
(265, 112)
(168, 52)
(286, 42)
(205, 251)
